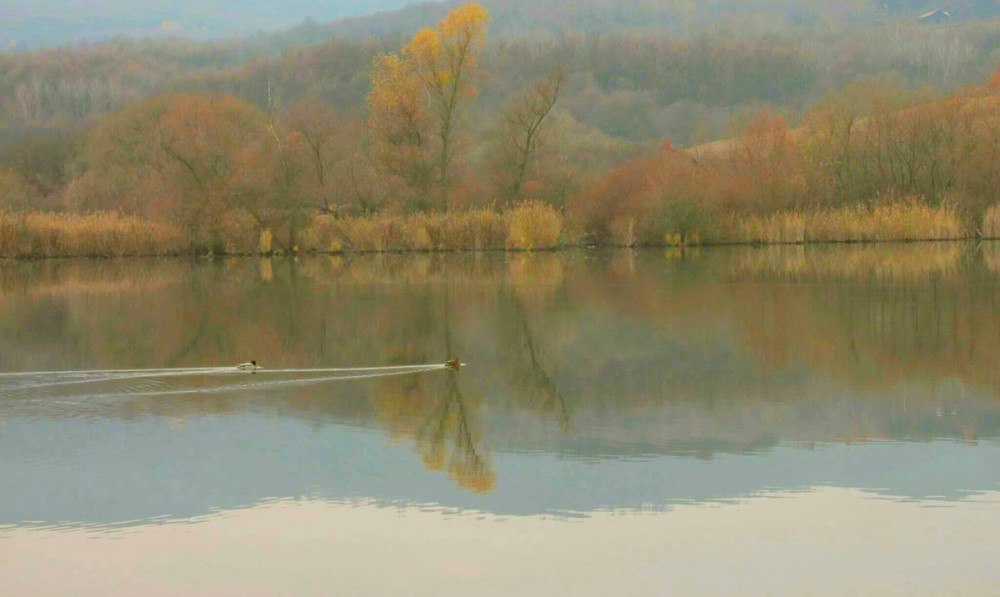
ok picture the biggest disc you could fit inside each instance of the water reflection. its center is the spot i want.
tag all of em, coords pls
(596, 379)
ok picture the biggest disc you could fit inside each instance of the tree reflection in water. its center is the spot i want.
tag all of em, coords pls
(442, 421)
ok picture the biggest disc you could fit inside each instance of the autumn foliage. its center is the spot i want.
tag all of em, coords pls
(274, 166)
(178, 159)
(418, 102)
(873, 163)
(528, 226)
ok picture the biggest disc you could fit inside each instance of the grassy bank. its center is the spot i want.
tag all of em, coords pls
(526, 227)
(899, 221)
(93, 235)
(530, 226)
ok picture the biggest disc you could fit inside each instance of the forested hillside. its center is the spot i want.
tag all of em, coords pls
(46, 23)
(635, 87)
(673, 17)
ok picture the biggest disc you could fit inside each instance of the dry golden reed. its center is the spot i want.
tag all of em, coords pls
(908, 219)
(532, 225)
(779, 228)
(903, 220)
(107, 234)
(475, 229)
(991, 223)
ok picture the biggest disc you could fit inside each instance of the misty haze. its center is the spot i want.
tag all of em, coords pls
(510, 297)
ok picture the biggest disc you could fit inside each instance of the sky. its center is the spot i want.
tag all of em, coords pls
(40, 23)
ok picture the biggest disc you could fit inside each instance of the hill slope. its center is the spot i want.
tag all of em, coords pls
(44, 23)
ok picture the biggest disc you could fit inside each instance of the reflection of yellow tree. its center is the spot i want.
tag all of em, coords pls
(442, 423)
(465, 462)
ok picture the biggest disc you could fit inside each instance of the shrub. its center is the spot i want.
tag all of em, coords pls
(533, 225)
(681, 222)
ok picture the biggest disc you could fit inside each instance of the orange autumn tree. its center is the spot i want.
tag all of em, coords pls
(766, 159)
(336, 177)
(430, 84)
(668, 197)
(173, 158)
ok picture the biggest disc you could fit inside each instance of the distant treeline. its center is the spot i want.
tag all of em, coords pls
(639, 84)
(49, 23)
(675, 18)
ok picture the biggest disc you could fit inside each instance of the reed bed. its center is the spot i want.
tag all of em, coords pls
(991, 223)
(107, 234)
(476, 229)
(908, 219)
(531, 225)
(779, 228)
(479, 229)
(903, 220)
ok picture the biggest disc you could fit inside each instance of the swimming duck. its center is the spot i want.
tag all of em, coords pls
(251, 366)
(453, 364)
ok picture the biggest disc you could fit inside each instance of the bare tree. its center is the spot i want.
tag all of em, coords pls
(519, 131)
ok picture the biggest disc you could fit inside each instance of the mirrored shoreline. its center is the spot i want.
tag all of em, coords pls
(596, 380)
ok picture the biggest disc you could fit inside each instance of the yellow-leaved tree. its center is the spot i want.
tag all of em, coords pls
(428, 87)
(398, 117)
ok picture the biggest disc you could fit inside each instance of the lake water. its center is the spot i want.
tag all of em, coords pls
(818, 420)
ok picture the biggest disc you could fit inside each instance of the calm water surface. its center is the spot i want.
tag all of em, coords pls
(788, 420)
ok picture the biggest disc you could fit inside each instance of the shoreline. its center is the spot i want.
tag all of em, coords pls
(526, 227)
(467, 250)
